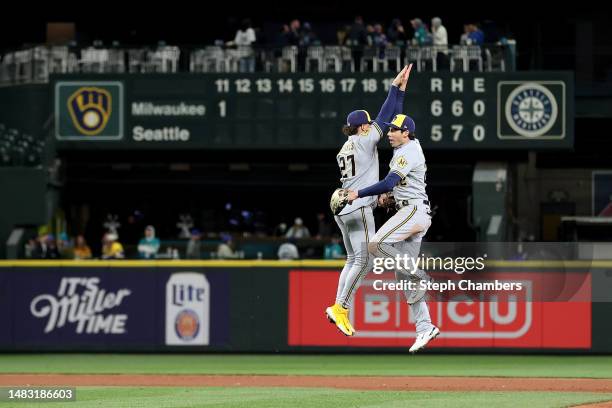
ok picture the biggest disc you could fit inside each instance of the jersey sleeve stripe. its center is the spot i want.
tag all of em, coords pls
(398, 173)
(378, 129)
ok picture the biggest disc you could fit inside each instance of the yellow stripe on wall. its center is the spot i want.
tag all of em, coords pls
(311, 263)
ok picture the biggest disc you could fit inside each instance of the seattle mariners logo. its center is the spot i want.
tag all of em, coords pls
(90, 108)
(531, 110)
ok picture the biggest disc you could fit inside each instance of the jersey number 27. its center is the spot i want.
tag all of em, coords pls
(345, 170)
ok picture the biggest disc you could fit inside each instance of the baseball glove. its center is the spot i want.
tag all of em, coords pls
(386, 201)
(339, 200)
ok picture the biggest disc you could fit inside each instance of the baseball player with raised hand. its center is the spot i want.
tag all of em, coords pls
(358, 163)
(405, 230)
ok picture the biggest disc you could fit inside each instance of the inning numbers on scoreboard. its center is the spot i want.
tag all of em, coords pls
(301, 85)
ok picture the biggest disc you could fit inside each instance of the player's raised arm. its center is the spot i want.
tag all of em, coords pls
(399, 102)
(387, 110)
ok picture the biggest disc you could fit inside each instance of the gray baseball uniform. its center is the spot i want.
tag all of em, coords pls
(402, 233)
(358, 162)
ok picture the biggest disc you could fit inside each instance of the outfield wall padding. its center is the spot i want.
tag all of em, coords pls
(267, 306)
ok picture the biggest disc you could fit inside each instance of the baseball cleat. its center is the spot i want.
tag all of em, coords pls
(423, 338)
(338, 315)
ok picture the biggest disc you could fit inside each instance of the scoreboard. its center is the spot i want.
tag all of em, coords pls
(515, 110)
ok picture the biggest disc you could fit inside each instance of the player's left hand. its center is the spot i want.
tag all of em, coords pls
(398, 79)
(405, 76)
(352, 196)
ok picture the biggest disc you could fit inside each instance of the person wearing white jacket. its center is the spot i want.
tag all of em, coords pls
(440, 36)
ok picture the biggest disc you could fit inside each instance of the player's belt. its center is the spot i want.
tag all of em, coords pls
(403, 203)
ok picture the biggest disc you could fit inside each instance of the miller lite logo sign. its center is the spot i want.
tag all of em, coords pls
(84, 305)
(187, 309)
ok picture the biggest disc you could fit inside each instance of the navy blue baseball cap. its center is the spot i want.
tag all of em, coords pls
(402, 122)
(358, 117)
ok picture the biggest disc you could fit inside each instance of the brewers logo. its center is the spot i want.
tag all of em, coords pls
(90, 109)
(531, 110)
(401, 162)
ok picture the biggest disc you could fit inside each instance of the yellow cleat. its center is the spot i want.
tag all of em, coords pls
(338, 315)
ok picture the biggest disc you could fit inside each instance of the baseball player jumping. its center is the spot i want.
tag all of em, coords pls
(407, 227)
(358, 162)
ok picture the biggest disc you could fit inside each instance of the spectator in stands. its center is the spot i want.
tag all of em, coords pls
(36, 248)
(356, 38)
(396, 34)
(280, 230)
(282, 39)
(475, 36)
(421, 35)
(369, 34)
(334, 250)
(490, 31)
(440, 36)
(307, 36)
(298, 230)
(464, 37)
(357, 35)
(324, 229)
(194, 246)
(81, 249)
(440, 41)
(342, 35)
(288, 251)
(111, 247)
(378, 37)
(30, 248)
(46, 248)
(64, 246)
(245, 35)
(244, 39)
(294, 32)
(149, 245)
(225, 250)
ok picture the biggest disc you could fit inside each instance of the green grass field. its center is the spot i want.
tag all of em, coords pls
(311, 397)
(387, 364)
(345, 365)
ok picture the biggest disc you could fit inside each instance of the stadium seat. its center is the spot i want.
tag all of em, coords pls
(136, 60)
(210, 59)
(413, 55)
(429, 55)
(241, 59)
(23, 66)
(459, 53)
(392, 54)
(288, 55)
(315, 54)
(347, 57)
(370, 54)
(41, 64)
(163, 60)
(474, 53)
